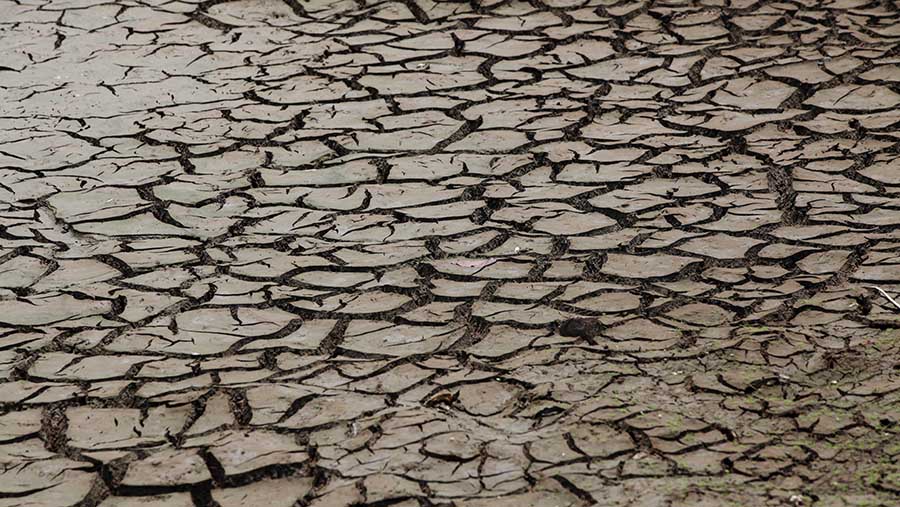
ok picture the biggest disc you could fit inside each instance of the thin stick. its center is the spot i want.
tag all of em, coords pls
(885, 294)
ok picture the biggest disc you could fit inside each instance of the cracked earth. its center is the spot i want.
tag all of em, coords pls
(416, 253)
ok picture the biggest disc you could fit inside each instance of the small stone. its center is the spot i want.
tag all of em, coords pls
(580, 328)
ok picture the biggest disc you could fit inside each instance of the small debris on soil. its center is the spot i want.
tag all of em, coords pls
(442, 398)
(886, 295)
(581, 328)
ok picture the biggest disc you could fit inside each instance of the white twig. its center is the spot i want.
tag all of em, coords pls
(885, 294)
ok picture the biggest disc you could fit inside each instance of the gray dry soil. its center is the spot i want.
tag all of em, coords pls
(413, 253)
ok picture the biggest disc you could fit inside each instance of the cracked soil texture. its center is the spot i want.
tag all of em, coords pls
(416, 253)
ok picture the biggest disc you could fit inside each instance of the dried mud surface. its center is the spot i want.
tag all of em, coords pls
(407, 253)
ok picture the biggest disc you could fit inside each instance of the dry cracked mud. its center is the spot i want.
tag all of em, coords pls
(417, 253)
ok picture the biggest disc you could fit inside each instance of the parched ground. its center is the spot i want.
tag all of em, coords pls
(413, 253)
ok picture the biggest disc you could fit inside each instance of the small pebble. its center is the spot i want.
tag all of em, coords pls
(582, 328)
